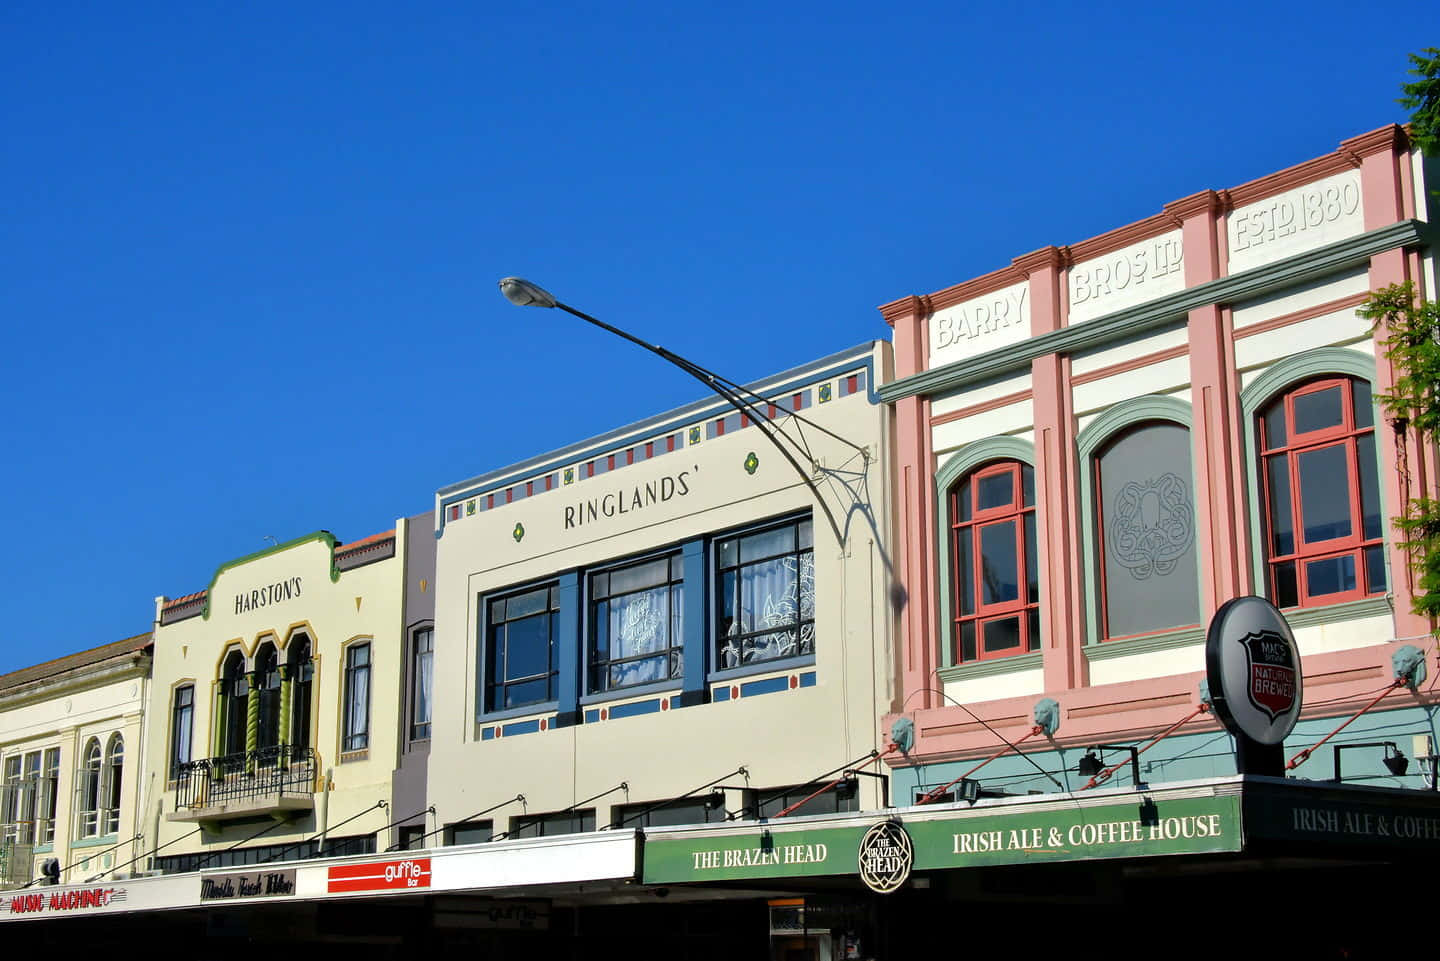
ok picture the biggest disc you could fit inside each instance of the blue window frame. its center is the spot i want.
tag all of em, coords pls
(637, 614)
(520, 648)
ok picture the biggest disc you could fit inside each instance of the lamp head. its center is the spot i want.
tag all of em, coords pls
(522, 293)
(1396, 763)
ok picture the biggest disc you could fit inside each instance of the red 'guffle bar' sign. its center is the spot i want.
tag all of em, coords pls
(380, 876)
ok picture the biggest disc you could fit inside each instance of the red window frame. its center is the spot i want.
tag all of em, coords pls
(1365, 551)
(968, 527)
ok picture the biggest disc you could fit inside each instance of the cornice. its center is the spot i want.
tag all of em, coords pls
(1152, 226)
(1290, 177)
(1156, 313)
(121, 668)
(978, 287)
(1389, 138)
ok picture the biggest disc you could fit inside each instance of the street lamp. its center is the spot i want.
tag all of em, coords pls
(523, 293)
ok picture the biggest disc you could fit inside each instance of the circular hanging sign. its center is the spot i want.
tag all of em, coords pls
(1253, 667)
(886, 856)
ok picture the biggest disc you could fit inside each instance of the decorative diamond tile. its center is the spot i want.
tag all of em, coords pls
(569, 475)
(519, 532)
(824, 393)
(469, 508)
(752, 463)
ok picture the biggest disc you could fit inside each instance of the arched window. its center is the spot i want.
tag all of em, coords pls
(995, 599)
(112, 779)
(1320, 494)
(1144, 530)
(301, 670)
(267, 689)
(89, 794)
(234, 692)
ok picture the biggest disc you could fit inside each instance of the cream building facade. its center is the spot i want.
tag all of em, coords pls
(280, 693)
(70, 741)
(661, 625)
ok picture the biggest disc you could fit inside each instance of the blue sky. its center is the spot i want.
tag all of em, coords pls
(249, 252)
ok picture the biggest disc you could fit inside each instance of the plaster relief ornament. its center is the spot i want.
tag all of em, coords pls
(1152, 526)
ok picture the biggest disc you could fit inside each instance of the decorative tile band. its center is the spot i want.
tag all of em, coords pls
(768, 685)
(606, 712)
(471, 503)
(531, 726)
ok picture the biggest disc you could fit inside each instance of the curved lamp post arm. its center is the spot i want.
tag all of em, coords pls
(525, 294)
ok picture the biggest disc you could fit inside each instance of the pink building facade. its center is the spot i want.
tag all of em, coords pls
(1100, 444)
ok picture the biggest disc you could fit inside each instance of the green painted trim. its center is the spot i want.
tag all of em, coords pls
(325, 536)
(1147, 644)
(1257, 281)
(43, 848)
(94, 842)
(1127, 413)
(1278, 376)
(962, 462)
(992, 668)
(1334, 613)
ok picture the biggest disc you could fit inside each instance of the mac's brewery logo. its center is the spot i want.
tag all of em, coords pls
(886, 856)
(1272, 672)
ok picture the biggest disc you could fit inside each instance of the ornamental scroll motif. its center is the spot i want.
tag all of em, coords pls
(1151, 526)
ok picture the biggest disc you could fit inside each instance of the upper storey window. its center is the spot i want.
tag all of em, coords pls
(1321, 493)
(636, 617)
(520, 655)
(765, 597)
(1145, 520)
(995, 600)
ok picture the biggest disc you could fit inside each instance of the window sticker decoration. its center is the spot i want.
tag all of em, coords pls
(1152, 525)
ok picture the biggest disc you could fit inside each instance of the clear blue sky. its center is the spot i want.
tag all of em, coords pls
(248, 252)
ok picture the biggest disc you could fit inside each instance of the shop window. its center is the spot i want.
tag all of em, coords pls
(707, 809)
(769, 802)
(89, 793)
(300, 669)
(232, 701)
(112, 779)
(1320, 494)
(267, 689)
(995, 585)
(636, 618)
(765, 594)
(182, 728)
(520, 655)
(470, 832)
(422, 682)
(356, 736)
(1145, 531)
(547, 825)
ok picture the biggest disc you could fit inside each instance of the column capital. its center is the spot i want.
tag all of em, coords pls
(1204, 202)
(1388, 138)
(1038, 260)
(911, 306)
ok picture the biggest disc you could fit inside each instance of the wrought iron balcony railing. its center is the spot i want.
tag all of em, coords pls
(269, 771)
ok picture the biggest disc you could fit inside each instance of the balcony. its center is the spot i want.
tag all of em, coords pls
(278, 782)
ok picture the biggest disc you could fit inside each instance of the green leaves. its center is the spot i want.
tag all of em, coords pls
(1412, 326)
(1422, 99)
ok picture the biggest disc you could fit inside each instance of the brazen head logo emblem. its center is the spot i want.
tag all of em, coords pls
(886, 856)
